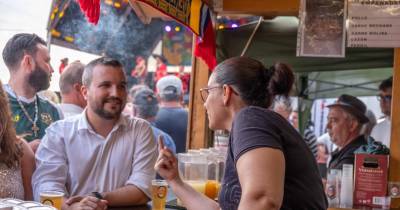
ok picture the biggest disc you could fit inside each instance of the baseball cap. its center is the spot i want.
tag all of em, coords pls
(144, 97)
(169, 85)
(352, 105)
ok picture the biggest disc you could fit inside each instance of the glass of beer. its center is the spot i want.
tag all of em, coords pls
(159, 189)
(52, 198)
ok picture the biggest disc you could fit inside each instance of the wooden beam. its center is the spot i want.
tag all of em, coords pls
(394, 164)
(257, 7)
(198, 131)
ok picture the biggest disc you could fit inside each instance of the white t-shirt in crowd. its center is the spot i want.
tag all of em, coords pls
(70, 109)
(381, 132)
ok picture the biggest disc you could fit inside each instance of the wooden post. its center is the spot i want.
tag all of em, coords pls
(198, 131)
(394, 168)
(258, 7)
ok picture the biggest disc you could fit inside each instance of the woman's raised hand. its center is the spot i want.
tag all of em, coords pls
(167, 164)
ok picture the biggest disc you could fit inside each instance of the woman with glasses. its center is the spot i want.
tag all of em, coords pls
(268, 166)
(16, 157)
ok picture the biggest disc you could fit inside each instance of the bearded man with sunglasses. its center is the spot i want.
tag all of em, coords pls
(28, 60)
(381, 131)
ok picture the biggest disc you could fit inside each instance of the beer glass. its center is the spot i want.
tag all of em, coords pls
(52, 198)
(159, 190)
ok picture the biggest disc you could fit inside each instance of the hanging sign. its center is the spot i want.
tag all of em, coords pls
(373, 23)
(191, 13)
(321, 30)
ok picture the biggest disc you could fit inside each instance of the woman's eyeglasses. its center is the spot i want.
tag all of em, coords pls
(204, 92)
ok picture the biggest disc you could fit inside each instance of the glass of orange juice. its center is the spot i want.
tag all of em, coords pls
(212, 189)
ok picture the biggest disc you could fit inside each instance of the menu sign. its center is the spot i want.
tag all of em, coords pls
(373, 23)
(321, 31)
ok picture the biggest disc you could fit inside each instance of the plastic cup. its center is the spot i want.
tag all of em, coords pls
(159, 190)
(52, 198)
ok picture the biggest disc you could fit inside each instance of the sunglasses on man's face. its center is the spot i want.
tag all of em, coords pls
(385, 98)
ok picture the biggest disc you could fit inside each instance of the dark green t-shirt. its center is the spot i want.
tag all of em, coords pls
(47, 114)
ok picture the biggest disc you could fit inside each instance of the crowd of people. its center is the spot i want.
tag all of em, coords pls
(104, 143)
(82, 144)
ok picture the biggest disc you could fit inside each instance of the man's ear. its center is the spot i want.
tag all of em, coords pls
(354, 124)
(27, 62)
(84, 92)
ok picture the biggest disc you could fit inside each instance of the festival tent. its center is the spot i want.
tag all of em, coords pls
(358, 74)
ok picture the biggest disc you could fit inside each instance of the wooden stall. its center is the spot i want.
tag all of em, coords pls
(198, 133)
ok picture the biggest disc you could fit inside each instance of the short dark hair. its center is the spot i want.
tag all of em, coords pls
(104, 61)
(386, 84)
(17, 46)
(255, 84)
(71, 75)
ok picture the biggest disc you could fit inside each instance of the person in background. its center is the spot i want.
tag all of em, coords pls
(63, 64)
(346, 117)
(283, 107)
(369, 126)
(100, 150)
(381, 131)
(145, 106)
(128, 109)
(28, 60)
(140, 70)
(17, 161)
(161, 70)
(172, 118)
(322, 160)
(185, 78)
(50, 96)
(73, 102)
(309, 136)
(263, 169)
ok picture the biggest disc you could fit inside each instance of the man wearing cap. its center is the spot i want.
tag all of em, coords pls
(172, 117)
(381, 131)
(345, 120)
(145, 106)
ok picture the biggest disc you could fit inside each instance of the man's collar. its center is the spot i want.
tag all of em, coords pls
(11, 92)
(83, 123)
(356, 141)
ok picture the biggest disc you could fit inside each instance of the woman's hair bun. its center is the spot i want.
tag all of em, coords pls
(281, 79)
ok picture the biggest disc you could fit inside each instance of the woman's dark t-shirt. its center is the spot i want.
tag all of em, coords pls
(255, 127)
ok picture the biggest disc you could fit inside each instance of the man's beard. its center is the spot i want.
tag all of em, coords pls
(99, 109)
(39, 79)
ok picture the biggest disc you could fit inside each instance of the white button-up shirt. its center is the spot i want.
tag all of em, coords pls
(74, 159)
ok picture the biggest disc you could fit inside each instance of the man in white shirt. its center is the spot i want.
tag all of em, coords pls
(381, 131)
(100, 150)
(73, 101)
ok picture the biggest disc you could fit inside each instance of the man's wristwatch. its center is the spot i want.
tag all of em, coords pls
(98, 195)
